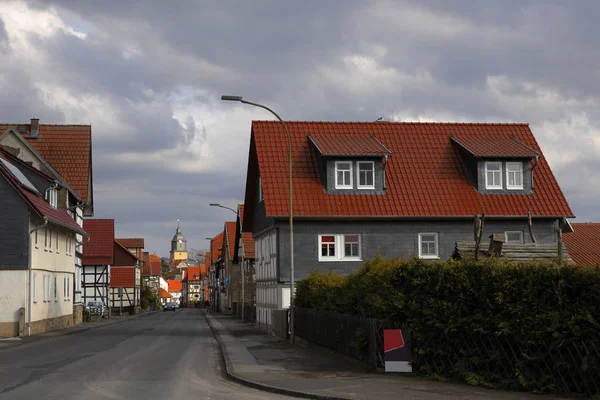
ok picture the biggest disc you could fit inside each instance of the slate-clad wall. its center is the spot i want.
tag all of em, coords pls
(14, 224)
(390, 239)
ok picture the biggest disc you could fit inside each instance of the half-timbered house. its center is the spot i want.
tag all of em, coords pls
(125, 279)
(98, 257)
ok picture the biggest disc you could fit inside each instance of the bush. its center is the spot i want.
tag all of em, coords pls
(488, 323)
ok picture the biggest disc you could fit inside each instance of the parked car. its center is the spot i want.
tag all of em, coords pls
(170, 306)
(176, 305)
(96, 308)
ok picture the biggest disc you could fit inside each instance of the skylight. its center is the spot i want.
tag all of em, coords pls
(19, 175)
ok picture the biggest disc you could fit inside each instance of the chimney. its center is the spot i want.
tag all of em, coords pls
(496, 242)
(34, 131)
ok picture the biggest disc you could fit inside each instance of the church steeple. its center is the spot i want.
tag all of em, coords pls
(178, 245)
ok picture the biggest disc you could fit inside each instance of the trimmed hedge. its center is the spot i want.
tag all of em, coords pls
(525, 326)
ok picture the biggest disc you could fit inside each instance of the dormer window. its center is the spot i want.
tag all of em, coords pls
(366, 174)
(343, 175)
(514, 175)
(52, 197)
(493, 175)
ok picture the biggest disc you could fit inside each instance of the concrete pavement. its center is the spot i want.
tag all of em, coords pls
(170, 355)
(261, 360)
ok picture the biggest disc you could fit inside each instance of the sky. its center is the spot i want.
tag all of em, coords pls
(148, 76)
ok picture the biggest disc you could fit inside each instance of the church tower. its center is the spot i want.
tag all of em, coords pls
(178, 245)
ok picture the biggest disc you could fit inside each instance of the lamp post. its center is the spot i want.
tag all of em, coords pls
(242, 265)
(291, 222)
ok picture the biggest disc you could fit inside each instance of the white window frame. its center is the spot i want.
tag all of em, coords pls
(510, 169)
(437, 246)
(46, 288)
(350, 174)
(520, 235)
(34, 287)
(45, 238)
(358, 171)
(261, 195)
(37, 239)
(57, 246)
(489, 186)
(67, 288)
(50, 239)
(340, 247)
(52, 197)
(55, 291)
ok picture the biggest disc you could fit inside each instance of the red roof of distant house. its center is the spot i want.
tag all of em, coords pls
(360, 145)
(174, 285)
(99, 249)
(583, 243)
(155, 265)
(425, 177)
(122, 277)
(164, 294)
(124, 257)
(217, 243)
(193, 274)
(146, 264)
(230, 232)
(482, 146)
(241, 212)
(137, 243)
(248, 243)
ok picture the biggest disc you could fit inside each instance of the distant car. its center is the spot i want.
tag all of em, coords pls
(177, 306)
(170, 306)
(96, 308)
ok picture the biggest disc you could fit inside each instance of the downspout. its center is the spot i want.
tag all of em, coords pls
(537, 160)
(29, 300)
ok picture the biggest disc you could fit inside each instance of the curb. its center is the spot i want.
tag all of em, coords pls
(256, 385)
(74, 331)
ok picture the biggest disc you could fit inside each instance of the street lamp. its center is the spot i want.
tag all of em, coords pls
(289, 138)
(242, 264)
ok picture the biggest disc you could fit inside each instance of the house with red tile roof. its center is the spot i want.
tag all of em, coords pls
(175, 290)
(125, 281)
(98, 257)
(583, 243)
(214, 269)
(192, 292)
(396, 189)
(134, 245)
(64, 153)
(244, 257)
(230, 271)
(38, 240)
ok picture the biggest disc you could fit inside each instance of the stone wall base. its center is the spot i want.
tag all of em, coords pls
(78, 314)
(51, 324)
(9, 329)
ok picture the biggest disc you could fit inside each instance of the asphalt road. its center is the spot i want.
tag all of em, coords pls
(166, 355)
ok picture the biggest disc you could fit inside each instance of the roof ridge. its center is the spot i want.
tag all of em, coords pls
(397, 122)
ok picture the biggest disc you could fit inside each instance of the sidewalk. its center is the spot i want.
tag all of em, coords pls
(263, 361)
(8, 343)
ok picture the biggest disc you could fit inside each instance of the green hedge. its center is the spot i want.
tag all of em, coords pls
(526, 326)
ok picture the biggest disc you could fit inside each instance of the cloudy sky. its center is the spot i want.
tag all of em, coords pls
(148, 76)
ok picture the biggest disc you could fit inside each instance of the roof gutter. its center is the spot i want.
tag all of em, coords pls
(59, 223)
(411, 217)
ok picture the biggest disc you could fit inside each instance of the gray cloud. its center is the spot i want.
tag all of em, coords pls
(149, 74)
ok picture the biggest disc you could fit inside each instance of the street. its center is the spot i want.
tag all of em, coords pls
(166, 355)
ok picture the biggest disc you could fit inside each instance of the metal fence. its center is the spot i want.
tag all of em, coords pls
(478, 358)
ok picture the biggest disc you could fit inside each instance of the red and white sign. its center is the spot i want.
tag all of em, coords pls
(396, 351)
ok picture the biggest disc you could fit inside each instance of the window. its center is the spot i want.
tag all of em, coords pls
(343, 175)
(37, 239)
(428, 245)
(49, 239)
(366, 175)
(46, 238)
(46, 287)
(514, 236)
(339, 247)
(56, 243)
(34, 287)
(327, 246)
(55, 291)
(493, 175)
(260, 190)
(67, 287)
(52, 197)
(67, 244)
(514, 175)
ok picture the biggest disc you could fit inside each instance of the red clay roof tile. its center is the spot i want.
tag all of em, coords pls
(174, 285)
(338, 145)
(230, 228)
(425, 176)
(164, 294)
(68, 148)
(122, 277)
(137, 243)
(583, 243)
(100, 245)
(248, 243)
(494, 146)
(217, 243)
